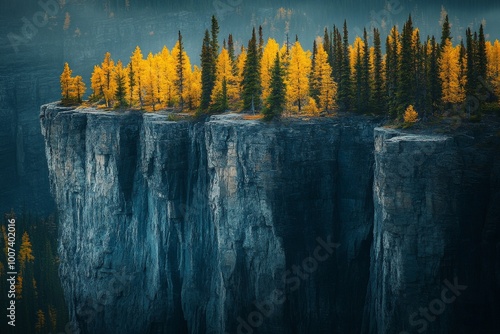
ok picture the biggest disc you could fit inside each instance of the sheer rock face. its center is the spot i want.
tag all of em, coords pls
(415, 195)
(436, 202)
(234, 226)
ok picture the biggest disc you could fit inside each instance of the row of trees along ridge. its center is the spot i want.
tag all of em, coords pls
(267, 77)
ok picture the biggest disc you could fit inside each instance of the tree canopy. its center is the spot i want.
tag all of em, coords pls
(430, 76)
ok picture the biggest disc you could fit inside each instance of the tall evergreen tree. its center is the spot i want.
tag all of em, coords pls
(434, 81)
(261, 42)
(181, 75)
(209, 54)
(392, 64)
(251, 77)
(220, 102)
(230, 47)
(285, 55)
(365, 75)
(405, 89)
(207, 76)
(426, 53)
(232, 56)
(445, 31)
(419, 77)
(327, 45)
(314, 53)
(472, 81)
(121, 84)
(313, 89)
(337, 54)
(344, 97)
(378, 91)
(275, 104)
(482, 61)
(462, 61)
(131, 82)
(214, 43)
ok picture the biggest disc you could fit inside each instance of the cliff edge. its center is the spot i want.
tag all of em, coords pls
(237, 226)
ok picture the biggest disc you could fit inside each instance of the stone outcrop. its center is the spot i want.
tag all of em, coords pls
(235, 226)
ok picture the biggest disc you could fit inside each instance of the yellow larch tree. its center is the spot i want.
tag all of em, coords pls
(19, 286)
(240, 65)
(158, 65)
(224, 77)
(269, 54)
(151, 84)
(109, 83)
(410, 115)
(97, 83)
(449, 71)
(40, 321)
(322, 81)
(25, 252)
(415, 39)
(493, 56)
(297, 83)
(52, 317)
(168, 78)
(79, 88)
(357, 48)
(136, 69)
(194, 89)
(24, 256)
(394, 34)
(67, 84)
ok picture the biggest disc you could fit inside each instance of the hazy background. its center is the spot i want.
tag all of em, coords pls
(34, 47)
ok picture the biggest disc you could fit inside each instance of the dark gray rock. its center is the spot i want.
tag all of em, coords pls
(208, 221)
(298, 226)
(436, 224)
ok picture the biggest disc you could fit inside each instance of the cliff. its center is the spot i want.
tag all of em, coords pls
(435, 262)
(235, 226)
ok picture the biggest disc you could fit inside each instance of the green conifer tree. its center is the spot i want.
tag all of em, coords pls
(378, 91)
(365, 75)
(482, 60)
(344, 97)
(181, 76)
(445, 31)
(275, 104)
(434, 81)
(405, 89)
(207, 77)
(252, 89)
